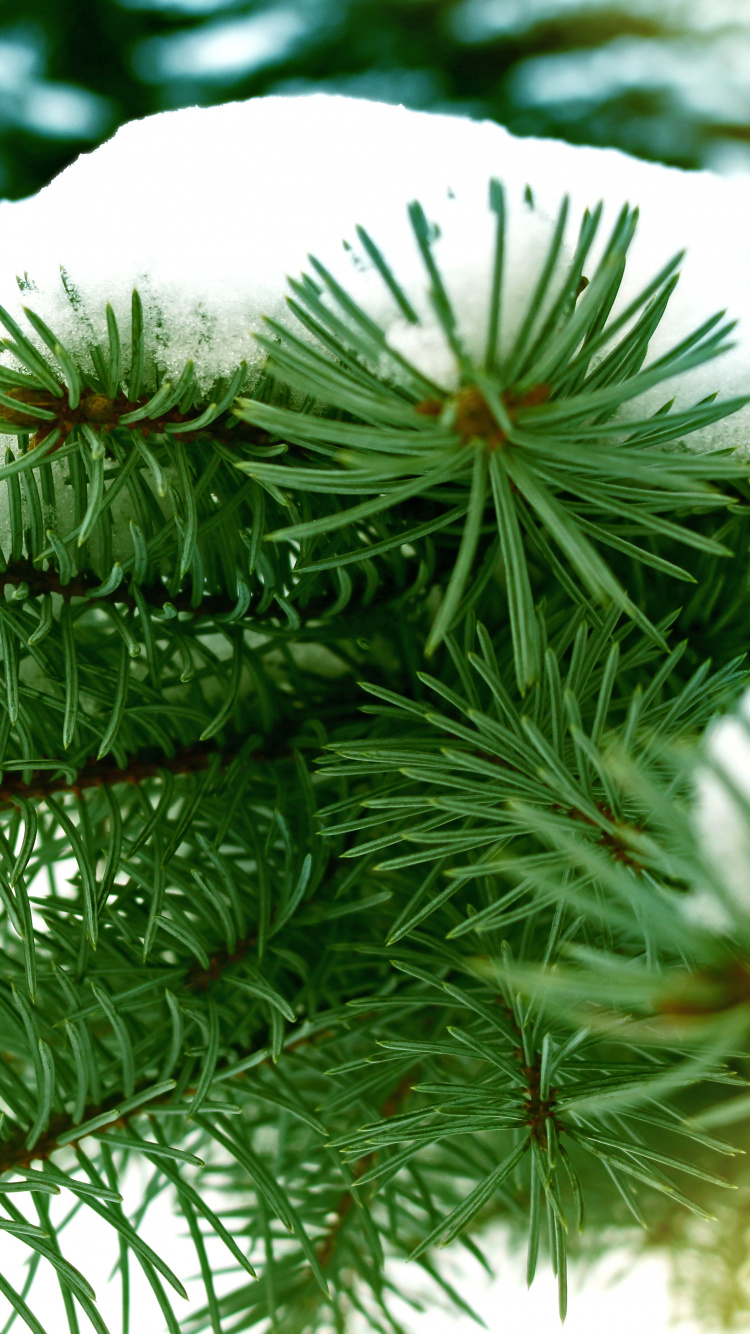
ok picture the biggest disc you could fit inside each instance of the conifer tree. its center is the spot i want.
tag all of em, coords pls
(367, 709)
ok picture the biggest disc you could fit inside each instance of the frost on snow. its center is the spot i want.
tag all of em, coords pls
(207, 210)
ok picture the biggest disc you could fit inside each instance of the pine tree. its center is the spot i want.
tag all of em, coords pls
(367, 711)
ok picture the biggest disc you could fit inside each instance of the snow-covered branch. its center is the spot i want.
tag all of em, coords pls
(208, 210)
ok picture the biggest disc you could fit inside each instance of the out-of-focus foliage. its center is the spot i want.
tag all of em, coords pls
(660, 78)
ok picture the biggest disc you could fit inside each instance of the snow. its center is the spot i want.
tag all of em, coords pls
(723, 825)
(207, 210)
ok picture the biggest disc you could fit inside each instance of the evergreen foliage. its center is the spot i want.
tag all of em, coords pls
(382, 952)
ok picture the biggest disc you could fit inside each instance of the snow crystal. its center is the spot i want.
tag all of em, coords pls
(722, 822)
(207, 210)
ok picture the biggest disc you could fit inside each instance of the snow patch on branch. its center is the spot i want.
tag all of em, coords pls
(208, 210)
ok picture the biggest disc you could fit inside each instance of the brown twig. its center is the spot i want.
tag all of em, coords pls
(83, 585)
(473, 417)
(200, 978)
(537, 1110)
(345, 1202)
(614, 841)
(104, 414)
(100, 773)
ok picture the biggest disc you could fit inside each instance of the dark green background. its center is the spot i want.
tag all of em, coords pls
(473, 55)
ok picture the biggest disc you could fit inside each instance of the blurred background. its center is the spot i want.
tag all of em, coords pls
(663, 79)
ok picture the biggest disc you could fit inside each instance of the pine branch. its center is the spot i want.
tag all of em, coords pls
(530, 794)
(532, 442)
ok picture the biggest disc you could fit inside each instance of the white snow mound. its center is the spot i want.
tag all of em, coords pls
(208, 210)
